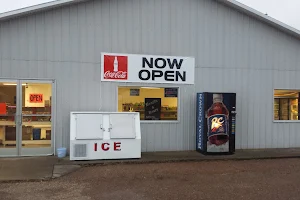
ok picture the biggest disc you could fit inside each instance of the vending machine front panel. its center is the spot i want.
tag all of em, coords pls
(216, 122)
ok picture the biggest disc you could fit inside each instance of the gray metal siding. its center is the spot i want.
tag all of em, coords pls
(234, 53)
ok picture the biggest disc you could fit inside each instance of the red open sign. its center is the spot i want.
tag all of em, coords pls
(36, 98)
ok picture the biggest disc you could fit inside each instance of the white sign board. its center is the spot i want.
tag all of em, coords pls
(147, 68)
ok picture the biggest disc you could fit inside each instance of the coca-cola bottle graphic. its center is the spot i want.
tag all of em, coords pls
(116, 64)
(218, 122)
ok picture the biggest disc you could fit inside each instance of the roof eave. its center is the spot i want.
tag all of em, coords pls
(231, 3)
(36, 8)
(262, 17)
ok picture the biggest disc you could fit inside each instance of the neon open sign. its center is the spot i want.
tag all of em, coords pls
(36, 98)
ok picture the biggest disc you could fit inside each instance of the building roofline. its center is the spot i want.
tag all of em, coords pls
(261, 17)
(36, 8)
(231, 3)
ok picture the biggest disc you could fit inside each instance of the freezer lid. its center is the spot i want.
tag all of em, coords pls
(89, 126)
(122, 126)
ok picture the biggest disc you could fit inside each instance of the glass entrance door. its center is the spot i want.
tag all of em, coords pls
(36, 118)
(26, 118)
(9, 124)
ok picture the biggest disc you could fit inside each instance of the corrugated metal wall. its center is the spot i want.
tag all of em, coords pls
(234, 53)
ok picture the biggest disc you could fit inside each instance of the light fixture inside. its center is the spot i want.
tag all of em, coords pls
(7, 84)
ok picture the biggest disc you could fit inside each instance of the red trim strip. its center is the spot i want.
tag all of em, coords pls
(95, 147)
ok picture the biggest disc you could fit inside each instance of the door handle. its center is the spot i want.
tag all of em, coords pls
(21, 119)
(15, 119)
(101, 127)
(110, 127)
(18, 120)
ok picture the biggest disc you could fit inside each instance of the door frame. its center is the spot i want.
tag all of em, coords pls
(12, 152)
(38, 151)
(19, 116)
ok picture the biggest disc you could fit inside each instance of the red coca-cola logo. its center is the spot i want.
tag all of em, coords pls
(115, 75)
(115, 67)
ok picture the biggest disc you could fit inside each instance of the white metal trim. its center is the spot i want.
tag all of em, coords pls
(36, 155)
(157, 86)
(159, 122)
(24, 156)
(25, 79)
(231, 3)
(8, 80)
(36, 8)
(36, 80)
(93, 112)
(273, 93)
(262, 17)
(37, 115)
(286, 121)
(19, 124)
(53, 118)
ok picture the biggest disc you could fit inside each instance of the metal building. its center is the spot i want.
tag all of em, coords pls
(56, 47)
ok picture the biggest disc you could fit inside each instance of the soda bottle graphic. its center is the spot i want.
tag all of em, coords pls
(116, 64)
(218, 118)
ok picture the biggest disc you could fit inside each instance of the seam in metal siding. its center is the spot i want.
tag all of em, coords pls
(243, 55)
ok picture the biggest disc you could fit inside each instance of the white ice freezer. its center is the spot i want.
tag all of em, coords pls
(105, 135)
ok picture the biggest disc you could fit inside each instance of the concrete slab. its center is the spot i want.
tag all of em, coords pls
(24, 169)
(44, 168)
(61, 170)
(158, 157)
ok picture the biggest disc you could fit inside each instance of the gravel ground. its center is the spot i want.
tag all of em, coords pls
(262, 179)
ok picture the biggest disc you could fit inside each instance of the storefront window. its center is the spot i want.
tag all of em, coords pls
(286, 104)
(151, 103)
(35, 113)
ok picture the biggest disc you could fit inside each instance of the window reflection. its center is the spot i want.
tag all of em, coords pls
(286, 104)
(151, 103)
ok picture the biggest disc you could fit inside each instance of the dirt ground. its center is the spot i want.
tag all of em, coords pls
(261, 179)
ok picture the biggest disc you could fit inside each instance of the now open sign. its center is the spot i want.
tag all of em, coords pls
(36, 98)
(147, 68)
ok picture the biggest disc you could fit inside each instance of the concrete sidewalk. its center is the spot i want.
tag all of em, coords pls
(158, 157)
(46, 168)
(38, 168)
(32, 169)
